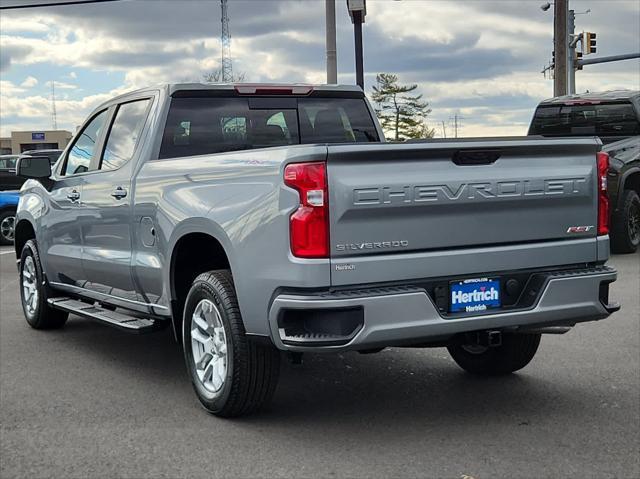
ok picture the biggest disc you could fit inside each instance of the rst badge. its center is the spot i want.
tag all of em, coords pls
(579, 229)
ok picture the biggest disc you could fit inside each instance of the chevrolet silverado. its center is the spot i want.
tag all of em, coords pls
(256, 219)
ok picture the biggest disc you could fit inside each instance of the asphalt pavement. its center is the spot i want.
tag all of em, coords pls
(90, 401)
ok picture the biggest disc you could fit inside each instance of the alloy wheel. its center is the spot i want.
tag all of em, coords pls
(209, 346)
(29, 285)
(634, 223)
(7, 228)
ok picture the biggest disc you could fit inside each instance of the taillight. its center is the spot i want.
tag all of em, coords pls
(309, 225)
(603, 199)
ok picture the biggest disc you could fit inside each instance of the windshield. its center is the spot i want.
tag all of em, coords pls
(601, 119)
(198, 126)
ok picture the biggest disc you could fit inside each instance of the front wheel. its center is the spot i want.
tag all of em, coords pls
(7, 227)
(231, 375)
(625, 224)
(515, 352)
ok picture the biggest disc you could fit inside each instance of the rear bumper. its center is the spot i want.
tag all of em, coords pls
(405, 315)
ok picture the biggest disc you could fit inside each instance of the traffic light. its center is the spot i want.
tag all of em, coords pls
(589, 42)
(577, 63)
(553, 59)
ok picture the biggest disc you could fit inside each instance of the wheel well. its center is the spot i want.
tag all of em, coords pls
(24, 232)
(632, 182)
(194, 253)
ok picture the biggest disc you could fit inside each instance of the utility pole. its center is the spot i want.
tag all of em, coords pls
(560, 46)
(444, 130)
(332, 54)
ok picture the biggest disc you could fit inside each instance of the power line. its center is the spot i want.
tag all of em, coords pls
(55, 4)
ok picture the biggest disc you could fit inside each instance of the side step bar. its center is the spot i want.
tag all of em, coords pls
(116, 319)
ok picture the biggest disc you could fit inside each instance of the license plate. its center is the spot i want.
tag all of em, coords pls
(474, 295)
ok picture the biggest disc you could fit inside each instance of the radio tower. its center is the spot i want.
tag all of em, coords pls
(54, 115)
(225, 40)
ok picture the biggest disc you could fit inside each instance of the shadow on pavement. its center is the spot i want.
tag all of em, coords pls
(399, 388)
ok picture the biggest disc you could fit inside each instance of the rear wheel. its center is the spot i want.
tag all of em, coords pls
(515, 352)
(7, 227)
(625, 224)
(231, 375)
(34, 292)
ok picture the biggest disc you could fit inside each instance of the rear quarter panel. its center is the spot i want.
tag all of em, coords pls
(239, 199)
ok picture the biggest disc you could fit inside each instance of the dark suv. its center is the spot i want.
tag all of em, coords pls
(624, 194)
(611, 115)
(8, 178)
(614, 117)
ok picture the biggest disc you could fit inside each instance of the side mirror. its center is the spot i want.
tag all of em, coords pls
(33, 167)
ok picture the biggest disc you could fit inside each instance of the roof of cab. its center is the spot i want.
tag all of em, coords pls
(613, 95)
(171, 88)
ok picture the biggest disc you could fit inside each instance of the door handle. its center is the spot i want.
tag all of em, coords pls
(119, 192)
(73, 195)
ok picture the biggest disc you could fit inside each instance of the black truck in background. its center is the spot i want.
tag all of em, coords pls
(614, 117)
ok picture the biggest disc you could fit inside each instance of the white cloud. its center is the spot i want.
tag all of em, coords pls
(36, 110)
(59, 85)
(29, 82)
(493, 79)
(8, 89)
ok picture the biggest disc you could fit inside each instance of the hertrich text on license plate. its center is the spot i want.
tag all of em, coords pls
(473, 295)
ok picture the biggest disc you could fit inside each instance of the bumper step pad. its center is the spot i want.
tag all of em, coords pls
(116, 319)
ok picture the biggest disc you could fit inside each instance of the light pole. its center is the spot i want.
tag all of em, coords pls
(332, 62)
(357, 11)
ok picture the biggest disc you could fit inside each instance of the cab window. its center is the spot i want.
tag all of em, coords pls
(124, 135)
(83, 149)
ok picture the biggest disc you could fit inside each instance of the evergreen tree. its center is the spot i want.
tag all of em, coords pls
(401, 114)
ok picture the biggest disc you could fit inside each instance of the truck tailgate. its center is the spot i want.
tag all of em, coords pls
(459, 207)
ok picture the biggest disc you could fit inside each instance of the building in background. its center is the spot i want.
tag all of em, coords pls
(20, 141)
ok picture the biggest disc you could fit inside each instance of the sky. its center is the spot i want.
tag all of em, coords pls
(477, 59)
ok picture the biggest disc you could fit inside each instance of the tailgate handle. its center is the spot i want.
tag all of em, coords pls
(475, 157)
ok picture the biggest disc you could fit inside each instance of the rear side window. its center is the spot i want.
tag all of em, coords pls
(601, 119)
(198, 126)
(80, 154)
(125, 132)
(335, 120)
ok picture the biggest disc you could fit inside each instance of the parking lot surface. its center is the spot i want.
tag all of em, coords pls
(91, 401)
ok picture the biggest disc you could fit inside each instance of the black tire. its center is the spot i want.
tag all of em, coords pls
(252, 369)
(7, 227)
(625, 224)
(41, 316)
(516, 351)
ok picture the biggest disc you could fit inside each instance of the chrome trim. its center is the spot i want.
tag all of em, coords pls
(97, 293)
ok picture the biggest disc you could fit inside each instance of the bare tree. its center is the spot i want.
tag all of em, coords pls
(215, 76)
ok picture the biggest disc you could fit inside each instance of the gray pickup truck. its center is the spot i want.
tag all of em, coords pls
(256, 219)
